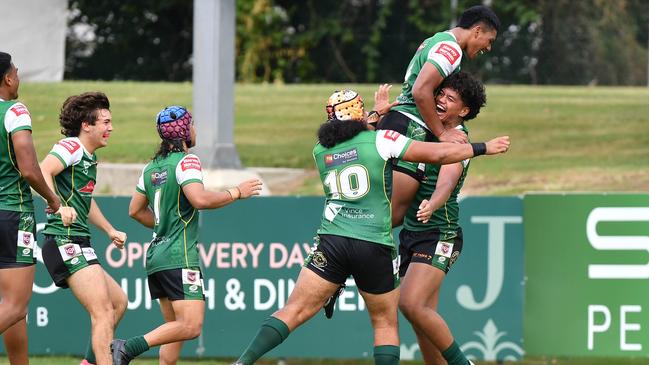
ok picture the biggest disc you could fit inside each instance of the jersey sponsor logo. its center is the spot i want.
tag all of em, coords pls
(69, 145)
(25, 239)
(158, 178)
(392, 135)
(450, 53)
(89, 188)
(339, 158)
(190, 162)
(89, 253)
(19, 110)
(444, 249)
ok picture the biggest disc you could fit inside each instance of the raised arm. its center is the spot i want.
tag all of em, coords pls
(446, 153)
(200, 198)
(423, 91)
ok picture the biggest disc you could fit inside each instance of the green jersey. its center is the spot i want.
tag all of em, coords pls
(445, 219)
(357, 180)
(443, 52)
(74, 186)
(175, 230)
(15, 194)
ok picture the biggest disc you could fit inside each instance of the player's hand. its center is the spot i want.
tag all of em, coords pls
(68, 215)
(382, 103)
(249, 188)
(117, 238)
(425, 211)
(498, 145)
(453, 135)
(53, 205)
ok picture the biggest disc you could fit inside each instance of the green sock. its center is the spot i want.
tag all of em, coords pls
(136, 345)
(455, 356)
(271, 333)
(90, 355)
(386, 355)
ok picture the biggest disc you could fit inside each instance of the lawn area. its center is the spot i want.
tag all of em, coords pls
(563, 138)
(59, 360)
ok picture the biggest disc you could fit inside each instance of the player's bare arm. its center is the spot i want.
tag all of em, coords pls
(200, 198)
(447, 180)
(96, 217)
(427, 81)
(139, 210)
(29, 169)
(446, 153)
(50, 167)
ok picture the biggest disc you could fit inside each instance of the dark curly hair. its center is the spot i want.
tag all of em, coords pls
(471, 91)
(479, 14)
(336, 131)
(81, 108)
(5, 64)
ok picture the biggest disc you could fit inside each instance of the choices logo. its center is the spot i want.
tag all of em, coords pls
(339, 158)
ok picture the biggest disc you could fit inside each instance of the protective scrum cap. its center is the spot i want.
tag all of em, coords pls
(345, 105)
(173, 123)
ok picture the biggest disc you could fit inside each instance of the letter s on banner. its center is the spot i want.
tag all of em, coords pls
(635, 243)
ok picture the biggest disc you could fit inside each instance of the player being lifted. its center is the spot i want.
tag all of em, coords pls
(18, 171)
(431, 239)
(71, 169)
(414, 116)
(168, 198)
(355, 235)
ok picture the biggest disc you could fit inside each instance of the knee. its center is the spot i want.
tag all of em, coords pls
(120, 303)
(104, 314)
(409, 307)
(17, 313)
(192, 329)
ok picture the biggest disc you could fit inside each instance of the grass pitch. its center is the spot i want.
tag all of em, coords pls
(563, 138)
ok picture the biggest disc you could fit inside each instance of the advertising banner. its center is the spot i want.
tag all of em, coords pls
(251, 253)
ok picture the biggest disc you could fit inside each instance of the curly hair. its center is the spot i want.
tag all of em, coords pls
(77, 109)
(336, 131)
(471, 91)
(479, 14)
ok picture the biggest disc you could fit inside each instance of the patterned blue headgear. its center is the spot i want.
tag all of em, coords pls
(173, 123)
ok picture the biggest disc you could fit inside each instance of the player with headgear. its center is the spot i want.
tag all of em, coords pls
(355, 234)
(168, 198)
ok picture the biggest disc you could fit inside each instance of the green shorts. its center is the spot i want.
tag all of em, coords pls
(396, 121)
(65, 255)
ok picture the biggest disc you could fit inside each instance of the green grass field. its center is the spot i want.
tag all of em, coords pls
(563, 138)
(57, 360)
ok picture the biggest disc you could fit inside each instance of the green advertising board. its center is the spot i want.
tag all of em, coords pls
(251, 253)
(587, 265)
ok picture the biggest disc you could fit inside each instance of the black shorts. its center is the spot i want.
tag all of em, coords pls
(17, 239)
(177, 284)
(65, 255)
(427, 247)
(396, 121)
(373, 266)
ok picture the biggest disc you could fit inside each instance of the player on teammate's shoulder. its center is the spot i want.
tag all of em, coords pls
(355, 234)
(168, 197)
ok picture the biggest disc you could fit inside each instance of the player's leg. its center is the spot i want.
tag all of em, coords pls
(183, 289)
(320, 277)
(378, 283)
(170, 352)
(405, 188)
(89, 287)
(420, 290)
(430, 354)
(15, 291)
(15, 340)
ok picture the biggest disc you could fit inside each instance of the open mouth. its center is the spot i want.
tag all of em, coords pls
(106, 135)
(440, 109)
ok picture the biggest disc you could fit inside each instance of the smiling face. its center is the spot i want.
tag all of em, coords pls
(480, 40)
(450, 107)
(99, 132)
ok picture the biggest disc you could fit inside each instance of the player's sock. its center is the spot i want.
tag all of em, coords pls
(386, 355)
(455, 356)
(90, 355)
(136, 345)
(271, 333)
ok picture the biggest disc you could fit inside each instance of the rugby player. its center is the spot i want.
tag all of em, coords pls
(168, 197)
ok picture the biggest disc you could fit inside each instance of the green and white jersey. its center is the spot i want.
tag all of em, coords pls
(357, 180)
(15, 194)
(443, 52)
(74, 186)
(445, 219)
(175, 231)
